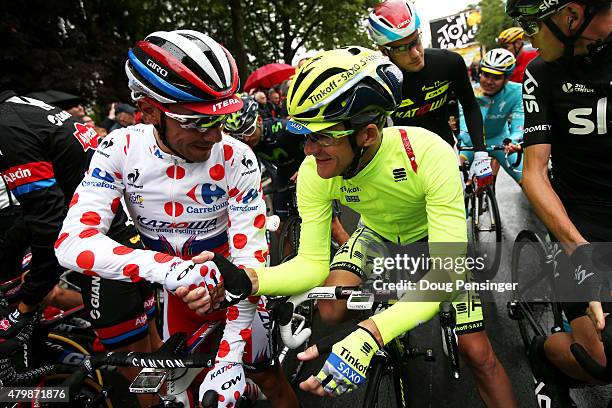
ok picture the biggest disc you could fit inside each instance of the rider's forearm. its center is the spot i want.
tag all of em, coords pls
(400, 318)
(473, 120)
(290, 278)
(550, 209)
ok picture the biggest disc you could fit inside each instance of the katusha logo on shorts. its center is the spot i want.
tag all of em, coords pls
(206, 193)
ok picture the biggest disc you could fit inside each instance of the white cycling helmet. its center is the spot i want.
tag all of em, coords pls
(186, 67)
(498, 61)
(393, 20)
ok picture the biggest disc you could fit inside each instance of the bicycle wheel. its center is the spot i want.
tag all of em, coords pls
(537, 312)
(289, 238)
(486, 232)
(387, 380)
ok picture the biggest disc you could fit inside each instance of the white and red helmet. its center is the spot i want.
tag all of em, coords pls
(393, 20)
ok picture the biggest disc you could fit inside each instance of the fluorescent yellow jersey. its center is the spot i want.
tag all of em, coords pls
(411, 189)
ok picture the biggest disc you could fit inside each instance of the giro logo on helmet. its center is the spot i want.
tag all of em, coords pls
(157, 68)
(404, 23)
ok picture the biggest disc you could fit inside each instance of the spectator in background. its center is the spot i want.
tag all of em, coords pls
(511, 39)
(274, 103)
(262, 101)
(120, 115)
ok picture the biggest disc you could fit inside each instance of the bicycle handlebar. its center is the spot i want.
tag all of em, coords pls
(512, 166)
(596, 370)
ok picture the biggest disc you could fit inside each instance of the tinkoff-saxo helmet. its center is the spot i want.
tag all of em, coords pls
(337, 85)
(510, 35)
(498, 61)
(187, 67)
(393, 20)
(243, 122)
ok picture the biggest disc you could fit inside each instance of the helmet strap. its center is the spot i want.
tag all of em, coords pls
(570, 41)
(354, 167)
(161, 131)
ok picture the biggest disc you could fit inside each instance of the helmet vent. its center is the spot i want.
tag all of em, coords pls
(354, 50)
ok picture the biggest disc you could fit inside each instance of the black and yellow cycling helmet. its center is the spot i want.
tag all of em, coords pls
(242, 124)
(338, 85)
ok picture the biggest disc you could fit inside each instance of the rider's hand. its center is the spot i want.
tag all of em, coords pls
(228, 380)
(236, 282)
(597, 315)
(512, 148)
(345, 367)
(481, 169)
(588, 279)
(294, 177)
(14, 324)
(196, 281)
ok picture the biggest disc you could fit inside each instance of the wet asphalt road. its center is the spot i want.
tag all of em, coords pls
(432, 384)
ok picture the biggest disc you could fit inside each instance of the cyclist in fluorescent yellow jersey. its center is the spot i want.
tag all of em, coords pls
(405, 184)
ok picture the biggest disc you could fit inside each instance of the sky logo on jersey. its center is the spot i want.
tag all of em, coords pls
(102, 175)
(86, 135)
(29, 177)
(206, 193)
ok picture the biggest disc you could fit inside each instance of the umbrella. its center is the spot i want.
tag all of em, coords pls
(268, 76)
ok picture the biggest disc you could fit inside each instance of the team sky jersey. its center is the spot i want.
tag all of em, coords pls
(524, 57)
(44, 152)
(426, 95)
(496, 110)
(180, 209)
(411, 189)
(280, 148)
(567, 105)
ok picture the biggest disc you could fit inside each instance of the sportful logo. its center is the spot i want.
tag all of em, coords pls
(399, 174)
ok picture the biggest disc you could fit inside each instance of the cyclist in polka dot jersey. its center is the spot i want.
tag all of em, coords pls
(187, 189)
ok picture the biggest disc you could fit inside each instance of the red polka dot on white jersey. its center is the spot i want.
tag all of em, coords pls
(175, 172)
(228, 152)
(240, 241)
(217, 172)
(173, 209)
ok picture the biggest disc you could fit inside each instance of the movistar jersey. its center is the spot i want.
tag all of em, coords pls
(506, 105)
(411, 189)
(280, 148)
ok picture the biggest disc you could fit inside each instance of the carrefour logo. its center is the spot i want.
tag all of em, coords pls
(102, 175)
(206, 193)
(250, 196)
